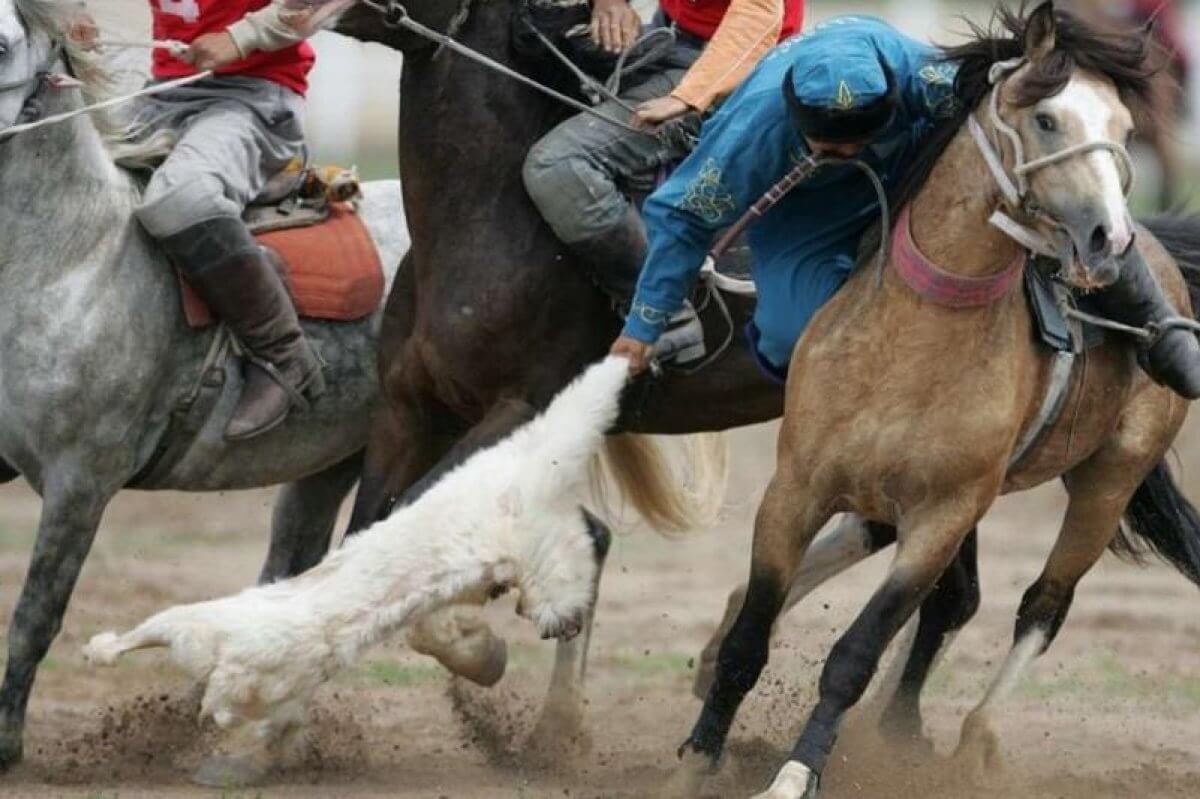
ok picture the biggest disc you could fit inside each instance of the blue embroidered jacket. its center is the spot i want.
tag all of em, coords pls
(804, 248)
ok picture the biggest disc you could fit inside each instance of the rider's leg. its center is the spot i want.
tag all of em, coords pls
(243, 132)
(1137, 299)
(576, 176)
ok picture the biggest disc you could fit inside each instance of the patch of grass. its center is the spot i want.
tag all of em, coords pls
(400, 675)
(653, 664)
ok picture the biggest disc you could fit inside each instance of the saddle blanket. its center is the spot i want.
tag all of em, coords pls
(333, 270)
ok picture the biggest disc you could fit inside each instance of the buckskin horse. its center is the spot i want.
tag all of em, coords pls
(908, 411)
(97, 363)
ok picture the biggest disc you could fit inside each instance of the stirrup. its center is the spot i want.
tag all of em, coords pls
(297, 394)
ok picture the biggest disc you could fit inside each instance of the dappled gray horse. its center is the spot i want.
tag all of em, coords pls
(98, 369)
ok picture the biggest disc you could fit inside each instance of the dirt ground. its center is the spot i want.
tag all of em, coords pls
(1113, 710)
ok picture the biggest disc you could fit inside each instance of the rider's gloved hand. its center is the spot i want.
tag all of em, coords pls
(655, 112)
(615, 25)
(213, 51)
(638, 353)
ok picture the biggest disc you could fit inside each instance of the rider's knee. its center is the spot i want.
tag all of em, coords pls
(168, 208)
(541, 172)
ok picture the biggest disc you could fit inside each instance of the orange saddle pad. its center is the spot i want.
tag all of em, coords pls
(333, 270)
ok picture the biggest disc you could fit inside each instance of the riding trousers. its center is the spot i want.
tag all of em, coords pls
(579, 173)
(240, 139)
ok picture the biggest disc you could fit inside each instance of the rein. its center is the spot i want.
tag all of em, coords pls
(47, 78)
(395, 15)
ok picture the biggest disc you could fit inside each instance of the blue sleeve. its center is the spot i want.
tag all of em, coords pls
(743, 151)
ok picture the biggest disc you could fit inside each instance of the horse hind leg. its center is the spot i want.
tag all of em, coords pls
(952, 603)
(303, 519)
(1099, 491)
(784, 527)
(848, 543)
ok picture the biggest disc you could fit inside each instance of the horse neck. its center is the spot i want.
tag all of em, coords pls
(66, 195)
(950, 214)
(465, 130)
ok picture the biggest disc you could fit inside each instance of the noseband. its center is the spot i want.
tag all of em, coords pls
(1015, 188)
(41, 79)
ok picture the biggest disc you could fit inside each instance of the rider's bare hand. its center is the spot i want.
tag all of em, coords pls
(615, 25)
(83, 31)
(660, 110)
(638, 353)
(213, 51)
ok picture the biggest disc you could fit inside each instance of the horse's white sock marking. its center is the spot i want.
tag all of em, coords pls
(792, 782)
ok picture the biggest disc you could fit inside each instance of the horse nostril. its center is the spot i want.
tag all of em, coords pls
(1099, 241)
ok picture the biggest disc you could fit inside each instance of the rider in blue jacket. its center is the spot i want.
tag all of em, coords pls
(853, 86)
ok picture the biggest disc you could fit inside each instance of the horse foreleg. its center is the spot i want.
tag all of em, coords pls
(923, 554)
(401, 446)
(303, 518)
(559, 731)
(850, 542)
(947, 609)
(1098, 497)
(784, 527)
(71, 513)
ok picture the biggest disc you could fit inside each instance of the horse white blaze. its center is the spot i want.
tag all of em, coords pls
(1095, 107)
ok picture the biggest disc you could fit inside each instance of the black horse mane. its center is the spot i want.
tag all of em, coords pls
(1128, 57)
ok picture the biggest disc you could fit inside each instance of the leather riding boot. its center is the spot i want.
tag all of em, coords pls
(614, 262)
(614, 259)
(1173, 359)
(239, 281)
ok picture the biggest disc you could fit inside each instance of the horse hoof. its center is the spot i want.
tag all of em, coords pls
(794, 781)
(978, 753)
(559, 736)
(11, 750)
(227, 771)
(687, 780)
(464, 645)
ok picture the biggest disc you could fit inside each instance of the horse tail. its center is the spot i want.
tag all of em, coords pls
(1180, 235)
(1161, 521)
(644, 477)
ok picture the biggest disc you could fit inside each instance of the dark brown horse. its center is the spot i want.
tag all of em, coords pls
(491, 317)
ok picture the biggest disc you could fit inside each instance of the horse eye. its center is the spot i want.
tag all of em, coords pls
(1046, 123)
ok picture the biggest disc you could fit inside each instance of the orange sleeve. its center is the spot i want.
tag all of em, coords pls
(749, 29)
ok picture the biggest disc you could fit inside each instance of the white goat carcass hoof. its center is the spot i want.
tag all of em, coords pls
(794, 781)
(463, 643)
(229, 771)
(103, 649)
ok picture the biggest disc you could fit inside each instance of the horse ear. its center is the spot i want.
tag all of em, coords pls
(1039, 31)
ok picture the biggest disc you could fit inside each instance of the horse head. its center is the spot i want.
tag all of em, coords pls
(1060, 118)
(27, 51)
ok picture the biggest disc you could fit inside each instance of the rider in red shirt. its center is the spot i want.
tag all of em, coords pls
(234, 134)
